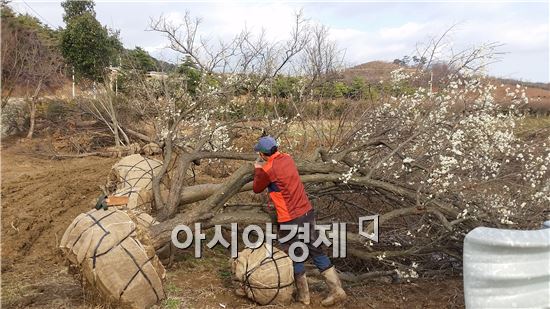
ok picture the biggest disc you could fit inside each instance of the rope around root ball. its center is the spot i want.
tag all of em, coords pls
(265, 261)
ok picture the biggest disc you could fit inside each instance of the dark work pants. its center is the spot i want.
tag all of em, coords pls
(320, 259)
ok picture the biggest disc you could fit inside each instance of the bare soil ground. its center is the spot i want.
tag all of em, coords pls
(40, 197)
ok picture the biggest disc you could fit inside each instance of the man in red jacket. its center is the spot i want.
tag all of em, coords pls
(277, 172)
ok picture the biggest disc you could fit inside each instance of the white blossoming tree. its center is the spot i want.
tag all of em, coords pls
(433, 163)
(222, 88)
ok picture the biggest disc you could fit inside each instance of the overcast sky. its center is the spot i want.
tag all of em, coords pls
(366, 30)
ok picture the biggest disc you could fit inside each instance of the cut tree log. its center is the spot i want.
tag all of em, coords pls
(139, 135)
(214, 195)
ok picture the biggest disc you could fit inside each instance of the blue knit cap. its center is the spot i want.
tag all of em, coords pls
(265, 144)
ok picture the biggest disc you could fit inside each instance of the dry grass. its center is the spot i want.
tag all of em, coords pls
(533, 124)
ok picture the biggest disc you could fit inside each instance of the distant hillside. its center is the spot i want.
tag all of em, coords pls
(165, 66)
(371, 72)
(545, 86)
(375, 71)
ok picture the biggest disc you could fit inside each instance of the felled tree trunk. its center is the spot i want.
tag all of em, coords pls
(178, 191)
(206, 198)
(203, 203)
(212, 197)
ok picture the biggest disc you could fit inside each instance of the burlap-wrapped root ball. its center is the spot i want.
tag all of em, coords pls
(265, 279)
(134, 171)
(104, 246)
(132, 176)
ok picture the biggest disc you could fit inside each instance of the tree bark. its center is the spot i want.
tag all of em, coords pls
(161, 232)
(168, 209)
(32, 116)
(32, 107)
(175, 197)
(141, 136)
(205, 199)
(215, 195)
(114, 120)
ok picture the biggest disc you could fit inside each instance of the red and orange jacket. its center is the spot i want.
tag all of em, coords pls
(280, 176)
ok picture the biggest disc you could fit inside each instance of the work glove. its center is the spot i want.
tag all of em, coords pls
(101, 202)
(259, 163)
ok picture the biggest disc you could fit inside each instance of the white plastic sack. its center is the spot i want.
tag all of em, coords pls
(507, 268)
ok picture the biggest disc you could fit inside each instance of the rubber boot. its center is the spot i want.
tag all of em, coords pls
(302, 289)
(336, 293)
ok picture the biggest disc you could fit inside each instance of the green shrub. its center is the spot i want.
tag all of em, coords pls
(56, 111)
